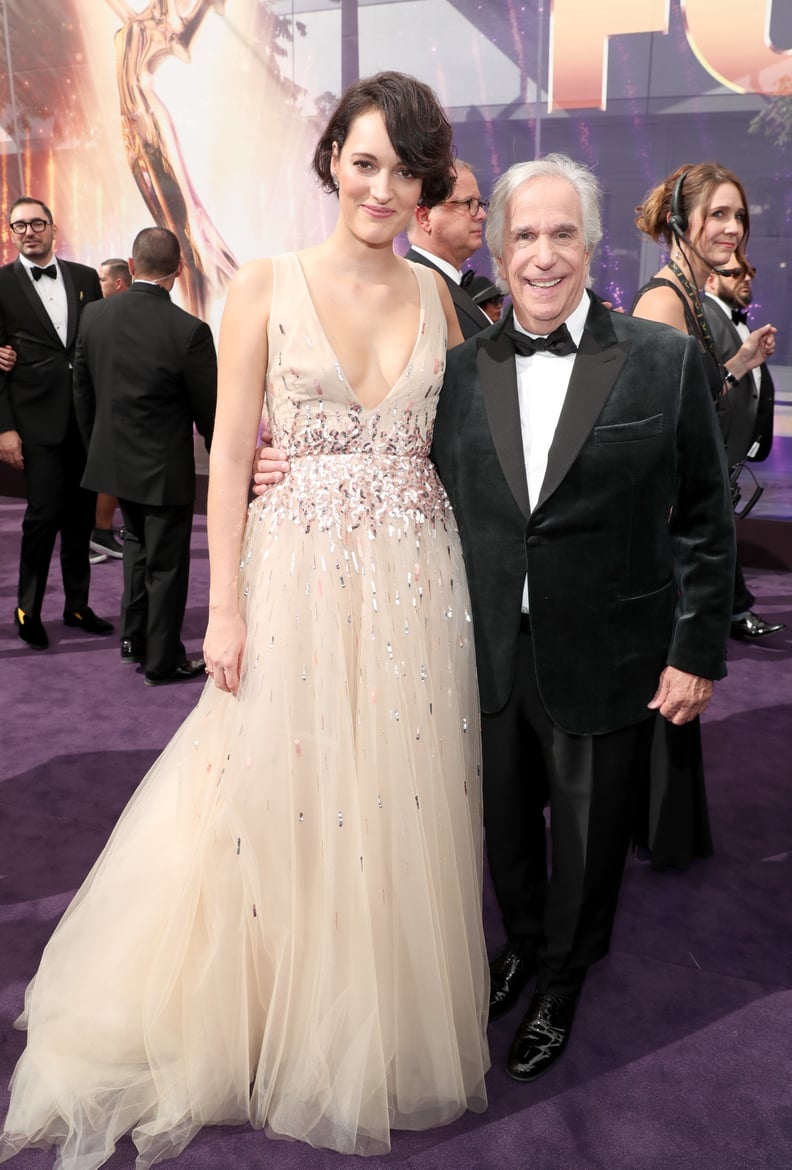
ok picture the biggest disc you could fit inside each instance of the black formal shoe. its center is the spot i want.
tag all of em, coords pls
(131, 651)
(752, 626)
(508, 976)
(87, 621)
(30, 630)
(542, 1036)
(187, 669)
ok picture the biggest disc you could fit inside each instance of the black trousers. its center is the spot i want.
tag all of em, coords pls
(156, 577)
(55, 504)
(743, 598)
(593, 784)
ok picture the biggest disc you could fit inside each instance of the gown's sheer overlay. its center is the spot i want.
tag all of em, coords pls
(285, 926)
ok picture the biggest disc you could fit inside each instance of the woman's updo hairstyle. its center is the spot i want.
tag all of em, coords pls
(417, 126)
(696, 190)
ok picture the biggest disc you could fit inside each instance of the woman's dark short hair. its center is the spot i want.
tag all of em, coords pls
(417, 126)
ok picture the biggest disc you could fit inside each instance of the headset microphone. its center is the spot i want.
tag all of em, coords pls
(678, 222)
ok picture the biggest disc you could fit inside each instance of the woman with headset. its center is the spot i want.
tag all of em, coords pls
(701, 213)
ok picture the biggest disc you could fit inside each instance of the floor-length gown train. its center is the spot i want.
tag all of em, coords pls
(285, 926)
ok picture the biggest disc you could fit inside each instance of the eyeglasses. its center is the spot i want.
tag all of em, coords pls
(474, 206)
(20, 226)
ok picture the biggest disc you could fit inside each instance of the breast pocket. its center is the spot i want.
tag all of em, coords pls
(629, 432)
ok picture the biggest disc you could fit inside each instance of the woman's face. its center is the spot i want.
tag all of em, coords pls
(377, 194)
(717, 230)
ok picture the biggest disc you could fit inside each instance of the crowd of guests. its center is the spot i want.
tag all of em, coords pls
(332, 762)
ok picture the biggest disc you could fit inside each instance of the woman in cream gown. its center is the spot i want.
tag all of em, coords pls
(285, 926)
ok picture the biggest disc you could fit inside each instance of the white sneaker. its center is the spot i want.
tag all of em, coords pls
(96, 558)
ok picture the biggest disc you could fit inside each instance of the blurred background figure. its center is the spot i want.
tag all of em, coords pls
(114, 277)
(143, 360)
(445, 236)
(487, 296)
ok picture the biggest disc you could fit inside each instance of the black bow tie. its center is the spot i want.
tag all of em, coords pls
(50, 270)
(739, 317)
(558, 342)
(467, 278)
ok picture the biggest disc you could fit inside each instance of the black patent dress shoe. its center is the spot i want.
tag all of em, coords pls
(30, 630)
(509, 974)
(187, 669)
(87, 621)
(752, 626)
(131, 651)
(542, 1036)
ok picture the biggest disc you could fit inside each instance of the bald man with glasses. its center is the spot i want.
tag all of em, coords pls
(41, 299)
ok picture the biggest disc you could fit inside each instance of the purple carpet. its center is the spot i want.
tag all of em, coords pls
(682, 1051)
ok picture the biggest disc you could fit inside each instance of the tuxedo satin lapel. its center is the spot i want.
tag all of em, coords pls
(463, 300)
(498, 376)
(34, 300)
(598, 364)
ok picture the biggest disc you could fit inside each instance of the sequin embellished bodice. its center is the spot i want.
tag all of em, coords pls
(345, 457)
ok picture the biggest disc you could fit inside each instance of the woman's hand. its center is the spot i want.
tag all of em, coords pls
(7, 358)
(223, 647)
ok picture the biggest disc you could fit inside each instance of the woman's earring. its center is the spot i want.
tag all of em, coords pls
(334, 177)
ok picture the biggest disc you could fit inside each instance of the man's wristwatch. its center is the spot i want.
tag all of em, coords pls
(729, 378)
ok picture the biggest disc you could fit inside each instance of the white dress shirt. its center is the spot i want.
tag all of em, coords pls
(52, 294)
(542, 383)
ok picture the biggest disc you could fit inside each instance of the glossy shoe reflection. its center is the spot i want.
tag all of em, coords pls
(509, 974)
(752, 626)
(542, 1036)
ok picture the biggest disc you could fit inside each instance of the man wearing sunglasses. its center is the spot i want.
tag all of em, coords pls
(447, 235)
(41, 298)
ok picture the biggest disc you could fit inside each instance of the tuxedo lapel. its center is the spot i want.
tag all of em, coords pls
(35, 302)
(72, 316)
(597, 366)
(463, 302)
(498, 380)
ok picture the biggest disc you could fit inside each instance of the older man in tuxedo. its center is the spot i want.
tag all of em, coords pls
(41, 300)
(445, 236)
(144, 372)
(583, 459)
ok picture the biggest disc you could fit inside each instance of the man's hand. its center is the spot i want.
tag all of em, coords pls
(757, 348)
(269, 467)
(11, 449)
(7, 358)
(680, 697)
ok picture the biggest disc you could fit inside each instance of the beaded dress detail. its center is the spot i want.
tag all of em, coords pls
(285, 926)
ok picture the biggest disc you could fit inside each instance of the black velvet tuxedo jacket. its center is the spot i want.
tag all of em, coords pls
(36, 395)
(746, 414)
(144, 372)
(629, 550)
(471, 318)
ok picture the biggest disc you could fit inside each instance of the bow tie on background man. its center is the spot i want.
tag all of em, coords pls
(559, 342)
(739, 317)
(50, 270)
(467, 278)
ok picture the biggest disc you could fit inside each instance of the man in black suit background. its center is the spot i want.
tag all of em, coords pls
(445, 236)
(144, 372)
(583, 460)
(41, 300)
(746, 414)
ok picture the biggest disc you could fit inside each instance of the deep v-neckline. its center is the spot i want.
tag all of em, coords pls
(339, 368)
